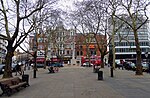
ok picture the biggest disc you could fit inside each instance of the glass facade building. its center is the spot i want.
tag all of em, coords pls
(125, 44)
(124, 40)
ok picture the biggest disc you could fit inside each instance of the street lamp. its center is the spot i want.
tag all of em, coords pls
(111, 59)
(35, 55)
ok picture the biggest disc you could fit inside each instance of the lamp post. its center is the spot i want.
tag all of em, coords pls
(52, 57)
(111, 60)
(35, 55)
(1, 59)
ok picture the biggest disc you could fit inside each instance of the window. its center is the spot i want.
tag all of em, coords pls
(40, 46)
(93, 40)
(130, 37)
(40, 40)
(116, 50)
(77, 53)
(45, 40)
(132, 44)
(116, 44)
(81, 52)
(72, 33)
(116, 38)
(92, 53)
(68, 52)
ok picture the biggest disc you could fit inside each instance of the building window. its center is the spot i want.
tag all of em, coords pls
(77, 53)
(130, 37)
(93, 40)
(81, 52)
(93, 52)
(72, 33)
(68, 52)
(132, 44)
(40, 47)
(40, 40)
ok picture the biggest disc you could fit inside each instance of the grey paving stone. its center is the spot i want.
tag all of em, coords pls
(79, 82)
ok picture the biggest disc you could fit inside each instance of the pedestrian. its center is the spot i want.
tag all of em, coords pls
(22, 67)
(18, 69)
(148, 67)
(51, 69)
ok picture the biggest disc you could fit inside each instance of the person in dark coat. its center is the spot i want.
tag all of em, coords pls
(18, 69)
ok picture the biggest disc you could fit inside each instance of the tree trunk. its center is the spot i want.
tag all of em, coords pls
(138, 62)
(8, 71)
(45, 62)
(138, 52)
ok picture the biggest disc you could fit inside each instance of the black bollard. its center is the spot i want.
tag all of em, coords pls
(111, 71)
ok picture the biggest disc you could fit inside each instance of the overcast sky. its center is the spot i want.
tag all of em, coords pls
(67, 4)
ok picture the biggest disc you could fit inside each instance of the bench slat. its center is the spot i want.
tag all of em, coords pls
(8, 85)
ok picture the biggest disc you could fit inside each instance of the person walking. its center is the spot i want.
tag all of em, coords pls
(17, 69)
(22, 67)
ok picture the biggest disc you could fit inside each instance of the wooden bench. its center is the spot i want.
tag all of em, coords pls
(12, 84)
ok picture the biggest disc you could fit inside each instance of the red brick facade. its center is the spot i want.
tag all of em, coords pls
(82, 47)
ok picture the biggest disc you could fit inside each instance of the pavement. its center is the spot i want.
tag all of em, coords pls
(81, 82)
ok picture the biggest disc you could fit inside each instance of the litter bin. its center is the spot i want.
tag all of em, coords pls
(25, 78)
(100, 75)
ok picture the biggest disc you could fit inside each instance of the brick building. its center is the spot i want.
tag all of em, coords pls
(40, 42)
(66, 44)
(86, 44)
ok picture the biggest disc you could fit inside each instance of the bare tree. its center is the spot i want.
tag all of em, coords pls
(113, 27)
(13, 14)
(50, 26)
(135, 17)
(90, 16)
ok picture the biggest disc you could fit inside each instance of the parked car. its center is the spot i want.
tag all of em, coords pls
(129, 65)
(87, 64)
(2, 68)
(13, 67)
(56, 64)
(145, 66)
(39, 65)
(133, 66)
(118, 64)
